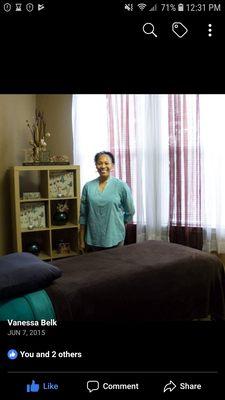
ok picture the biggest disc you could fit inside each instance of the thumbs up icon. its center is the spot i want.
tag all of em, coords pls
(33, 387)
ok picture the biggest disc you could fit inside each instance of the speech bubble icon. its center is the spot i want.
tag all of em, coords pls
(92, 385)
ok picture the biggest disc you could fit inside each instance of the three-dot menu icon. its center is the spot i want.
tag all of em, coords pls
(210, 30)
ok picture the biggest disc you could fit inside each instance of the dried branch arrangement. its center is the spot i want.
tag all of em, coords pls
(38, 134)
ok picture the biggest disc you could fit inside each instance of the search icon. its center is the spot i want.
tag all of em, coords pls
(148, 28)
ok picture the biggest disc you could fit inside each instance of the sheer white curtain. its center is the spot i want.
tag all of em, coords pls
(90, 132)
(212, 126)
(152, 167)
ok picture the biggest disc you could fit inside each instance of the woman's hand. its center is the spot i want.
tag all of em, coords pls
(82, 247)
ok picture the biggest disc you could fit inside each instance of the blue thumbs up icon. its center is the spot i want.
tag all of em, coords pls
(33, 387)
(12, 354)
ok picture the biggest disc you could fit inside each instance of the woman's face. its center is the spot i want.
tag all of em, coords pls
(104, 166)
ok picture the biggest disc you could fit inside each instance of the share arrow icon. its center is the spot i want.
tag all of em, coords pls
(169, 386)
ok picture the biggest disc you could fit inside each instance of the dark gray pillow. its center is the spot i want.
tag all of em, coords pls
(22, 273)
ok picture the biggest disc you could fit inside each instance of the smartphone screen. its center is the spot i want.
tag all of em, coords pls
(112, 229)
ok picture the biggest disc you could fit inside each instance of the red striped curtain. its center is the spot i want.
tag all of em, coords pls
(121, 128)
(122, 139)
(185, 171)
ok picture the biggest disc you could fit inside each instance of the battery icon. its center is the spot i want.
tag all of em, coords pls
(180, 7)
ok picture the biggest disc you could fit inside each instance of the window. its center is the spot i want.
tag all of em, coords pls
(143, 119)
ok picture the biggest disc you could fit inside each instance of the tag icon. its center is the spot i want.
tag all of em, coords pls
(179, 29)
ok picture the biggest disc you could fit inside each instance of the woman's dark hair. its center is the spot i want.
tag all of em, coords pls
(107, 153)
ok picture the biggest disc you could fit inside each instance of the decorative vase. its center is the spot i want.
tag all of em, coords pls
(33, 248)
(36, 154)
(60, 217)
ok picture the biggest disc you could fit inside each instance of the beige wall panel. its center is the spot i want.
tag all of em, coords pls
(58, 114)
(14, 137)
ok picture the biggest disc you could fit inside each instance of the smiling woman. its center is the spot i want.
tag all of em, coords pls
(106, 207)
(104, 162)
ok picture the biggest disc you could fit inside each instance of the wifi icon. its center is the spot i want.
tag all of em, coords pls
(142, 6)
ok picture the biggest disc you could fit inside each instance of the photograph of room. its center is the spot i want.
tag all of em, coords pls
(112, 207)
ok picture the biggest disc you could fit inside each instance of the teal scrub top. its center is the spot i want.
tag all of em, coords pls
(105, 213)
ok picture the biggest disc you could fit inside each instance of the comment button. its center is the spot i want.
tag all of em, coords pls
(92, 386)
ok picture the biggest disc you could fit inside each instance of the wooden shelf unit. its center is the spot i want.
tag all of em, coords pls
(38, 179)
